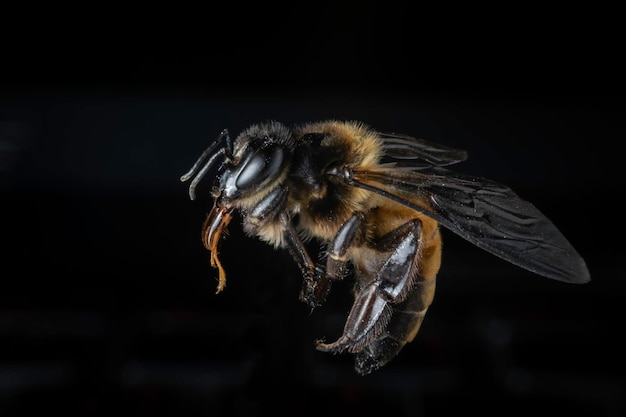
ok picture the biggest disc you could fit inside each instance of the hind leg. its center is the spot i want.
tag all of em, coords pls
(403, 326)
(371, 311)
(388, 310)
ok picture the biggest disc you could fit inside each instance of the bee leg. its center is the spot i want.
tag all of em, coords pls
(371, 311)
(311, 272)
(337, 260)
(314, 291)
(270, 208)
(402, 328)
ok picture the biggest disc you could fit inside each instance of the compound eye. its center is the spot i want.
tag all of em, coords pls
(262, 165)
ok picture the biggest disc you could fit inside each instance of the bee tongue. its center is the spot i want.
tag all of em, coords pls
(213, 228)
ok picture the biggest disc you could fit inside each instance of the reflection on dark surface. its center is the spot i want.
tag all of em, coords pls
(107, 302)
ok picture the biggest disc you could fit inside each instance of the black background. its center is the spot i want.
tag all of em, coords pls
(107, 300)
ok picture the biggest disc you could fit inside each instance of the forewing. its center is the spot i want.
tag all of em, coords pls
(486, 213)
(413, 153)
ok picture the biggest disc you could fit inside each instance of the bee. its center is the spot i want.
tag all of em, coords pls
(374, 202)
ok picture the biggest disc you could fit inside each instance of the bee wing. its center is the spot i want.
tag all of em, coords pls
(413, 153)
(486, 213)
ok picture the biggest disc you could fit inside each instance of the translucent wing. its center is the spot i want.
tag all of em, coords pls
(412, 153)
(486, 213)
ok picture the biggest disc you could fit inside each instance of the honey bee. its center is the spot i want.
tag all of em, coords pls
(374, 202)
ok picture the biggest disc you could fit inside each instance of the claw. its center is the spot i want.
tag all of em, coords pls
(338, 346)
(315, 288)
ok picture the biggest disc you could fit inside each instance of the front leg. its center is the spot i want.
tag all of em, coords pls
(371, 311)
(311, 293)
(261, 220)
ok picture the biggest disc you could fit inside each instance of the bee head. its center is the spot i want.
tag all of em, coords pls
(260, 157)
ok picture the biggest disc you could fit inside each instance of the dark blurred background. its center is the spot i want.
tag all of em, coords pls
(107, 300)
